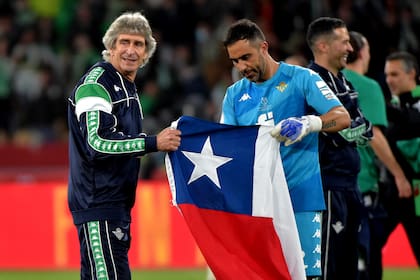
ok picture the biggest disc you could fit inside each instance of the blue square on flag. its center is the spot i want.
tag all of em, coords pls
(215, 168)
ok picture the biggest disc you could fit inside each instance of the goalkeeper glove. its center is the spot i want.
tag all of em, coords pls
(360, 132)
(293, 129)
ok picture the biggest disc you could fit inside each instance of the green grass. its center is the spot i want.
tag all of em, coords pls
(389, 274)
(401, 274)
(74, 275)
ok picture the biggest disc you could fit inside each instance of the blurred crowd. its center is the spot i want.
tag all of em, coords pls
(46, 45)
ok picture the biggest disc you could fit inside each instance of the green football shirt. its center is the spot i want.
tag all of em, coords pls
(372, 104)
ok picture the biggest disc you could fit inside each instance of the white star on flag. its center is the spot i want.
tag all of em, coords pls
(206, 163)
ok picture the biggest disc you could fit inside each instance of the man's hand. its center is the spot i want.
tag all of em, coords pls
(168, 140)
(403, 186)
(360, 132)
(293, 129)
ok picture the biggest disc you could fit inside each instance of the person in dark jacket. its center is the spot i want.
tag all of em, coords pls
(372, 157)
(329, 41)
(403, 134)
(106, 142)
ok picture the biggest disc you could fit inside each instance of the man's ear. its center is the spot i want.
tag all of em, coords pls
(320, 46)
(413, 74)
(264, 46)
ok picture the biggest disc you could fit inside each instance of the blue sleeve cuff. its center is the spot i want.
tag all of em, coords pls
(151, 144)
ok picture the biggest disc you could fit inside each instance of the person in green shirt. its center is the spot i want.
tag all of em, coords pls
(372, 104)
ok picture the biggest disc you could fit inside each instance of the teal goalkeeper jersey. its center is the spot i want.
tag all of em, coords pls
(293, 91)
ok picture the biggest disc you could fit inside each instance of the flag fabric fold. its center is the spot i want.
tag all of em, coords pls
(228, 183)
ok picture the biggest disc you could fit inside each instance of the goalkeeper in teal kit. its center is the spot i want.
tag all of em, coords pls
(298, 104)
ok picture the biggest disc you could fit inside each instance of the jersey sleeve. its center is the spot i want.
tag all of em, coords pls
(318, 95)
(376, 113)
(98, 125)
(103, 140)
(228, 108)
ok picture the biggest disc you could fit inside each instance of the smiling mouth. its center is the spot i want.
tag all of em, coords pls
(129, 59)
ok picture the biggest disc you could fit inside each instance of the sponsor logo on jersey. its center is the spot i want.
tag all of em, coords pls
(281, 87)
(245, 97)
(326, 91)
(117, 88)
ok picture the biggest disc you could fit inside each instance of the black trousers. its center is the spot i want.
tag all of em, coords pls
(372, 237)
(340, 231)
(104, 249)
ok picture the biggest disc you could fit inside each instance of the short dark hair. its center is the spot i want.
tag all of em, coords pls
(243, 29)
(322, 26)
(357, 43)
(409, 61)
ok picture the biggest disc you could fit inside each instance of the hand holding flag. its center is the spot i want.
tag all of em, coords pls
(293, 129)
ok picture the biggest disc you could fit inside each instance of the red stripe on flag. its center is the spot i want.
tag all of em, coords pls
(237, 246)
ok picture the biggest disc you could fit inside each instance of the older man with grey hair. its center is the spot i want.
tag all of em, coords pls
(106, 142)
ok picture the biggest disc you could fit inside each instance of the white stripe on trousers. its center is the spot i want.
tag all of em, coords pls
(327, 239)
(90, 251)
(110, 251)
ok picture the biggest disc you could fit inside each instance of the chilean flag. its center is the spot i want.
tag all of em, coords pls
(228, 183)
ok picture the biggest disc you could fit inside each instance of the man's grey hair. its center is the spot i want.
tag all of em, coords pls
(409, 61)
(129, 23)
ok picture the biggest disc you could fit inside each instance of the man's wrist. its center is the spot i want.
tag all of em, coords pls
(315, 123)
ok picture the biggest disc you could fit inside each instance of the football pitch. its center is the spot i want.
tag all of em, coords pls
(74, 275)
(389, 274)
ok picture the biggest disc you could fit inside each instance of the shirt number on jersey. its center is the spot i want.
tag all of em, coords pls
(266, 119)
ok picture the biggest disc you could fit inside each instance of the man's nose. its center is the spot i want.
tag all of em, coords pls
(241, 66)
